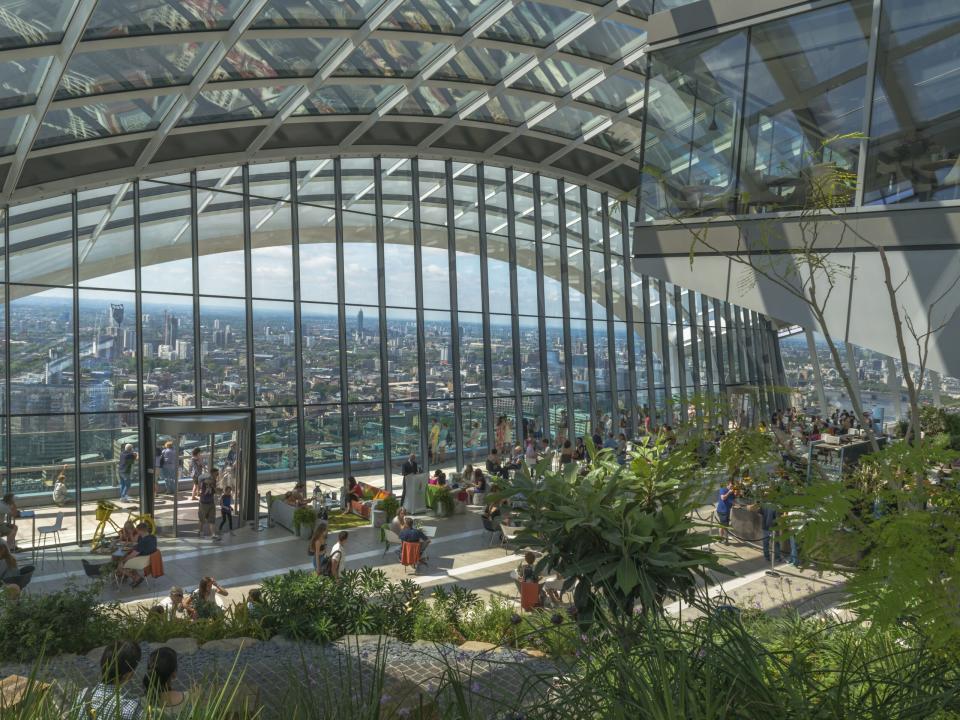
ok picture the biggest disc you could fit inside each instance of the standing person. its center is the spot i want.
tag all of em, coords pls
(229, 466)
(169, 471)
(206, 509)
(124, 469)
(197, 468)
(434, 439)
(725, 499)
(500, 433)
(448, 439)
(566, 453)
(226, 510)
(338, 554)
(768, 521)
(109, 699)
(474, 440)
(9, 512)
(317, 545)
(202, 603)
(409, 467)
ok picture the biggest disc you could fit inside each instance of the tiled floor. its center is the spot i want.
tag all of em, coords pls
(461, 553)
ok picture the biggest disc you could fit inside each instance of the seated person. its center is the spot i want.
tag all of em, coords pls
(173, 603)
(494, 466)
(398, 524)
(202, 602)
(8, 527)
(479, 482)
(355, 492)
(440, 477)
(8, 565)
(146, 545)
(526, 570)
(291, 499)
(412, 534)
(128, 533)
(158, 684)
(109, 698)
(255, 603)
(299, 492)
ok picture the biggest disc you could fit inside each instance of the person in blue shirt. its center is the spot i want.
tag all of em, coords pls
(768, 519)
(146, 546)
(725, 499)
(412, 534)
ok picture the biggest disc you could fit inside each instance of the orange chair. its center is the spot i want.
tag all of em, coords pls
(529, 596)
(410, 555)
(155, 568)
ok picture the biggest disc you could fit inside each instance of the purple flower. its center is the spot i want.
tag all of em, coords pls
(385, 698)
(515, 619)
(556, 619)
(572, 611)
(475, 687)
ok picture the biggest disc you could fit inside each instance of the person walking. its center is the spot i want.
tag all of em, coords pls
(168, 467)
(197, 468)
(124, 470)
(226, 510)
(206, 509)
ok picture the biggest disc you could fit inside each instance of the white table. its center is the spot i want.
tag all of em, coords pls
(429, 530)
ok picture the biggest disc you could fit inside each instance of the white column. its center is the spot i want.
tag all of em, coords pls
(893, 382)
(817, 375)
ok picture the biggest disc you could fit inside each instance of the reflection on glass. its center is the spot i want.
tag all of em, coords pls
(805, 85)
(105, 229)
(113, 18)
(366, 436)
(616, 92)
(534, 24)
(39, 22)
(135, 68)
(473, 414)
(607, 41)
(482, 65)
(102, 440)
(404, 430)
(274, 58)
(527, 300)
(498, 274)
(529, 346)
(435, 264)
(508, 110)
(363, 353)
(20, 81)
(102, 119)
(276, 429)
(556, 357)
(388, 58)
(554, 77)
(41, 361)
(334, 99)
(437, 16)
(41, 450)
(223, 352)
(219, 105)
(398, 255)
(321, 353)
(692, 109)
(41, 242)
(107, 330)
(168, 351)
(914, 150)
(274, 353)
(166, 256)
(315, 13)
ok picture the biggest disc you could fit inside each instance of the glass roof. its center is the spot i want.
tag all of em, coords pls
(138, 66)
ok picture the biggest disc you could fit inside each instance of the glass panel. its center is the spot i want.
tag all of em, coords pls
(223, 352)
(434, 102)
(534, 24)
(482, 65)
(321, 353)
(559, 422)
(41, 242)
(573, 220)
(552, 286)
(598, 285)
(402, 354)
(498, 274)
(578, 356)
(105, 226)
(554, 77)
(315, 178)
(616, 92)
(438, 355)
(601, 355)
(166, 256)
(388, 58)
(35, 23)
(220, 105)
(11, 128)
(363, 353)
(135, 68)
(102, 119)
(277, 450)
(473, 379)
(318, 254)
(102, 440)
(639, 350)
(607, 41)
(323, 439)
(20, 81)
(621, 138)
(398, 253)
(468, 272)
(495, 197)
(806, 85)
(508, 110)
(527, 300)
(568, 122)
(41, 361)
(556, 357)
(274, 353)
(168, 352)
(433, 200)
(274, 58)
(108, 351)
(360, 259)
(914, 149)
(549, 211)
(404, 431)
(366, 437)
(689, 149)
(523, 201)
(577, 288)
(501, 355)
(357, 187)
(271, 253)
(436, 269)
(346, 99)
(220, 227)
(582, 420)
(437, 16)
(149, 17)
(315, 13)
(270, 180)
(529, 344)
(473, 414)
(638, 8)
(39, 447)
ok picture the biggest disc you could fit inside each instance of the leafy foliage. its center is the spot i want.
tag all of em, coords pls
(623, 532)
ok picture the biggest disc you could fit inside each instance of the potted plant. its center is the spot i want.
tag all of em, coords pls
(304, 517)
(389, 505)
(444, 502)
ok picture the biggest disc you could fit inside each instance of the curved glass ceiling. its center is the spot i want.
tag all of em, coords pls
(428, 74)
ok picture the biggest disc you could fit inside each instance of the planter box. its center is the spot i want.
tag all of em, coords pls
(746, 524)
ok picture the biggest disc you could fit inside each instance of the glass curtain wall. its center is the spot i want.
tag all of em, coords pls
(364, 308)
(745, 121)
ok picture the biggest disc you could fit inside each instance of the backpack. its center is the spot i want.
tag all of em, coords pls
(325, 564)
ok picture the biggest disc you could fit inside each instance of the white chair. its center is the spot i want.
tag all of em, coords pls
(390, 538)
(509, 533)
(477, 498)
(44, 532)
(139, 563)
